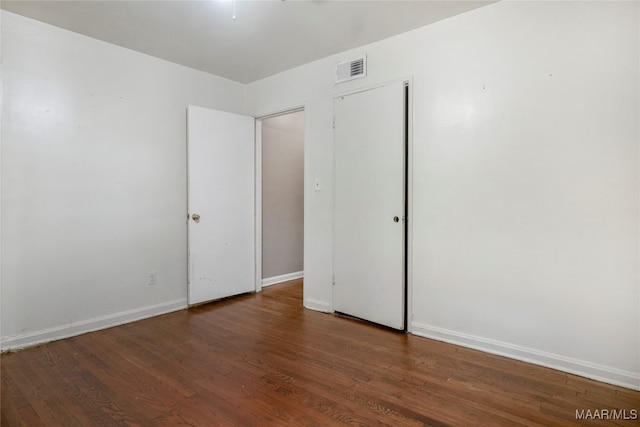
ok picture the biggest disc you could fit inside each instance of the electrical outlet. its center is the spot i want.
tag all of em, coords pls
(152, 278)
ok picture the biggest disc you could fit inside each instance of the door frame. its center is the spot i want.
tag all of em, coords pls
(408, 237)
(258, 184)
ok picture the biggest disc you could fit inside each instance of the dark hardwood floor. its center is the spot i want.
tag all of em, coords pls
(262, 360)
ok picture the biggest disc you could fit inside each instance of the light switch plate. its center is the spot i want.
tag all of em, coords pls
(317, 185)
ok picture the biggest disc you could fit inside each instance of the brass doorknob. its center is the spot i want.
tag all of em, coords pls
(195, 217)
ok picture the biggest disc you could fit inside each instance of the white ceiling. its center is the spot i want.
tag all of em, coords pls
(268, 36)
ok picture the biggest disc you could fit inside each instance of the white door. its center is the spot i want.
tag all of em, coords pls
(369, 206)
(220, 203)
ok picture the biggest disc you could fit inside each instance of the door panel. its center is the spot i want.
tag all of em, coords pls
(221, 191)
(369, 178)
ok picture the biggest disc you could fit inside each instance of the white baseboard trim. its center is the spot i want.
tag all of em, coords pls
(29, 339)
(282, 278)
(317, 305)
(582, 368)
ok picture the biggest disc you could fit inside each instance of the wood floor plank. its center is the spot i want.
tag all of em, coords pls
(263, 360)
(41, 403)
(12, 402)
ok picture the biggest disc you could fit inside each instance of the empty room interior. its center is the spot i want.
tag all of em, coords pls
(320, 213)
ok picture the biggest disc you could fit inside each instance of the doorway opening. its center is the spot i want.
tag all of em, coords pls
(280, 165)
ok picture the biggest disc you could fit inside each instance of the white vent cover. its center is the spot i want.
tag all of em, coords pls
(352, 69)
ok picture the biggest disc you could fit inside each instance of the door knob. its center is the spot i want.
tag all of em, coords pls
(195, 217)
(396, 219)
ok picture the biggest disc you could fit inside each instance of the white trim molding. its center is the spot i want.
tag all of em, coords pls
(32, 338)
(578, 367)
(258, 203)
(282, 278)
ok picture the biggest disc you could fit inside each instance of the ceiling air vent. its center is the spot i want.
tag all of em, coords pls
(353, 69)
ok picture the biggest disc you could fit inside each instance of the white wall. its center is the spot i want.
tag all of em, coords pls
(282, 197)
(93, 180)
(526, 190)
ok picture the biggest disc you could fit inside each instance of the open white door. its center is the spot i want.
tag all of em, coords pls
(369, 208)
(221, 203)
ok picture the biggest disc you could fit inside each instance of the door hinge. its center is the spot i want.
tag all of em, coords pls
(333, 279)
(334, 122)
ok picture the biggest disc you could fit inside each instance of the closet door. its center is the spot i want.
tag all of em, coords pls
(369, 205)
